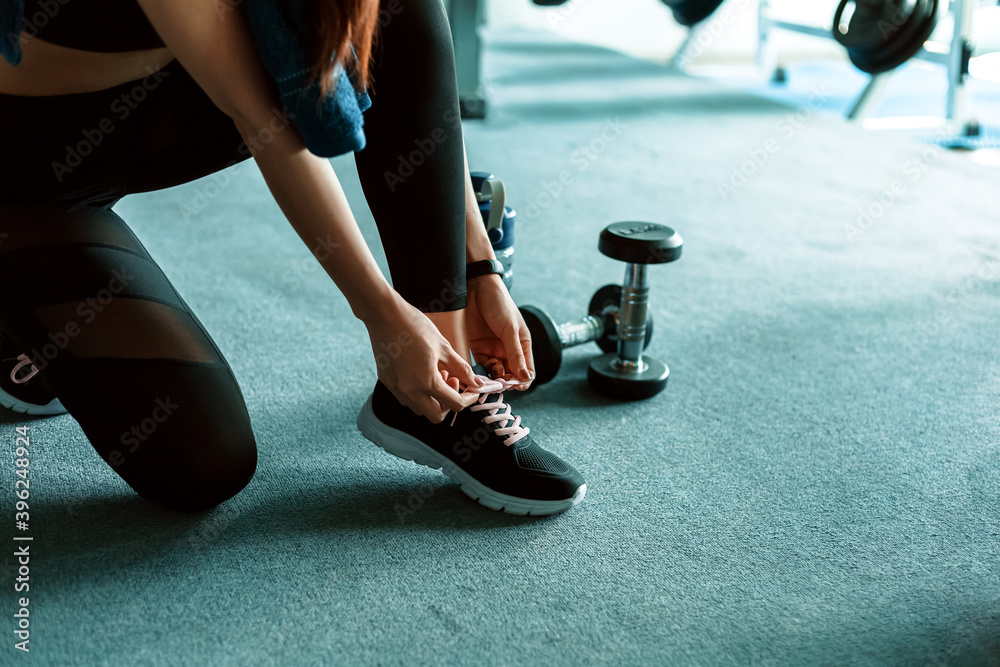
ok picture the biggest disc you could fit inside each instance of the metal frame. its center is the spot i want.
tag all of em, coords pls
(955, 61)
(466, 17)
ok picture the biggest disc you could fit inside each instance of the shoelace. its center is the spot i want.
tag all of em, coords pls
(514, 431)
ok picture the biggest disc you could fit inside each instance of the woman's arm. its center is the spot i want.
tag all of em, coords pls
(477, 242)
(217, 49)
(495, 327)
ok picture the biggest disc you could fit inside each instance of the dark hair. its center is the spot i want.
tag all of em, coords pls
(342, 24)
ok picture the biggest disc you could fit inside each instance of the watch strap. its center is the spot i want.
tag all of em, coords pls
(483, 268)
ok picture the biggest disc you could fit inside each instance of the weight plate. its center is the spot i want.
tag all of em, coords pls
(605, 378)
(691, 12)
(640, 243)
(880, 39)
(545, 345)
(610, 297)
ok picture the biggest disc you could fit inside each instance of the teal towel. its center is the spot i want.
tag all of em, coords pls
(11, 15)
(329, 127)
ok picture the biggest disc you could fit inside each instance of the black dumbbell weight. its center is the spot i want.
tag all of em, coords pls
(881, 35)
(692, 12)
(606, 302)
(627, 372)
(549, 339)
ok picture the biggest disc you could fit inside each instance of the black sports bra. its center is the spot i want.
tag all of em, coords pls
(108, 26)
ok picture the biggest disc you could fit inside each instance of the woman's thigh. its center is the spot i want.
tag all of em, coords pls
(125, 354)
(91, 149)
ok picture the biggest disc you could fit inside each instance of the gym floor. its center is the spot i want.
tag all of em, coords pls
(817, 485)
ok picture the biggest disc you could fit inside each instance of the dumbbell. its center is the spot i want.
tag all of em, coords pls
(627, 372)
(691, 12)
(619, 320)
(880, 36)
(549, 339)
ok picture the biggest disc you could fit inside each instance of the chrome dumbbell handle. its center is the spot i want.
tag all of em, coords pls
(632, 318)
(581, 331)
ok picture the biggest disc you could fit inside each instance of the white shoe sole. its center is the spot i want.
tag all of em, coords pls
(54, 407)
(407, 447)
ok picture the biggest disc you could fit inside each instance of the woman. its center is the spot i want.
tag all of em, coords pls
(124, 96)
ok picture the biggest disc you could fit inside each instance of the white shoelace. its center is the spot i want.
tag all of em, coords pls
(514, 431)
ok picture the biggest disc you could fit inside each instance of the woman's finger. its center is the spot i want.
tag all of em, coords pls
(424, 408)
(449, 398)
(432, 409)
(515, 355)
(458, 367)
(529, 356)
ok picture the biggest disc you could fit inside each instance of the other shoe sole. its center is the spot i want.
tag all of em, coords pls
(53, 407)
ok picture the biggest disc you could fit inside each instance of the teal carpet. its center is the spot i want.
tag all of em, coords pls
(818, 484)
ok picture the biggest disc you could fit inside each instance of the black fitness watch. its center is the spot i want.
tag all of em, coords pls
(483, 268)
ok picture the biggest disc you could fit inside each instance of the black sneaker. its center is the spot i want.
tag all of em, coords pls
(484, 448)
(20, 389)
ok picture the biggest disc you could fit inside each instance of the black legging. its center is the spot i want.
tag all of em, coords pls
(111, 336)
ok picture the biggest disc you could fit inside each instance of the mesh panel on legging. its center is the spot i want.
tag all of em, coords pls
(125, 354)
(413, 167)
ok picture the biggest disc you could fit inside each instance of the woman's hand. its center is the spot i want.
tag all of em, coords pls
(498, 336)
(417, 363)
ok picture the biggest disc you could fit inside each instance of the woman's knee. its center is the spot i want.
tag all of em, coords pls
(201, 476)
(178, 434)
(211, 486)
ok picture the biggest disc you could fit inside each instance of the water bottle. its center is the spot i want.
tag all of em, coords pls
(498, 218)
